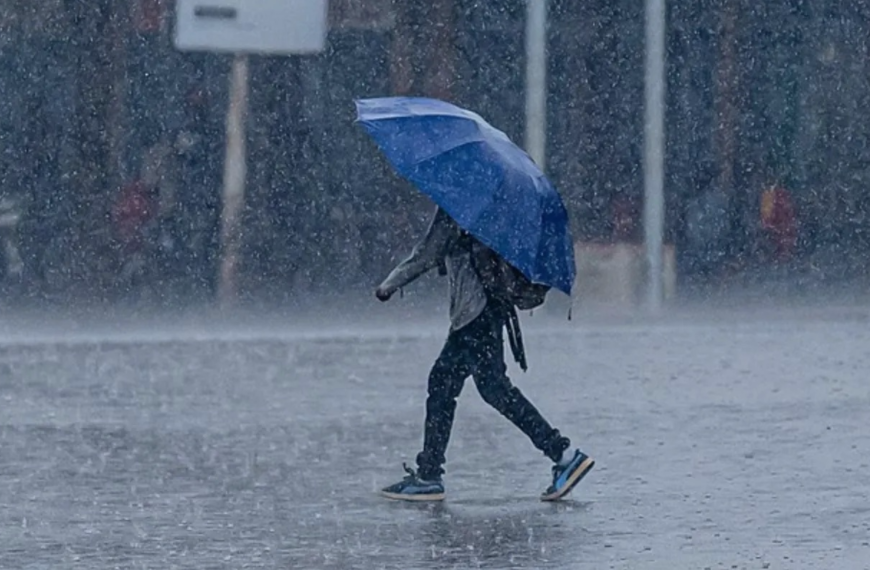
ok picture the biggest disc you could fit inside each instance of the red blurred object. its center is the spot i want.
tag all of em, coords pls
(779, 220)
(150, 15)
(135, 208)
(625, 217)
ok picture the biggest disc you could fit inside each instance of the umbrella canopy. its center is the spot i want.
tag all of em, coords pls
(472, 170)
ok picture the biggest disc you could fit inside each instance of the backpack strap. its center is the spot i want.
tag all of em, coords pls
(493, 287)
(490, 270)
(515, 338)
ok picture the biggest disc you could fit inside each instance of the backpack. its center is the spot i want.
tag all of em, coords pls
(502, 281)
(524, 294)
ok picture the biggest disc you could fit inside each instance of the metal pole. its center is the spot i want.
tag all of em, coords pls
(234, 180)
(654, 145)
(536, 81)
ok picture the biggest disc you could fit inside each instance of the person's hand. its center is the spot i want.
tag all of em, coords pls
(383, 295)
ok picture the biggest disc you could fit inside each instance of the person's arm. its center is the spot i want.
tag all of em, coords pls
(426, 256)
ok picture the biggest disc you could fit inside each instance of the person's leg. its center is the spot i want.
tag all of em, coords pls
(490, 376)
(445, 384)
(496, 389)
(446, 380)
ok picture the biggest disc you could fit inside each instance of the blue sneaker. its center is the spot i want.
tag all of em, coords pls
(566, 476)
(412, 488)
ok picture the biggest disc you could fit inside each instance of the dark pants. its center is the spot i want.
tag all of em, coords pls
(477, 350)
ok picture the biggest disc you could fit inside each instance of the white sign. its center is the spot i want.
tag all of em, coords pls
(251, 26)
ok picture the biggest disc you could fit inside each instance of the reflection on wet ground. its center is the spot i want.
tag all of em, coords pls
(720, 446)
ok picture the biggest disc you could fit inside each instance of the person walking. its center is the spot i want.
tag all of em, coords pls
(481, 308)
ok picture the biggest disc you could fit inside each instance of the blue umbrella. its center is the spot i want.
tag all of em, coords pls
(491, 187)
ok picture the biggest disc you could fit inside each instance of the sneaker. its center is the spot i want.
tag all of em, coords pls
(566, 476)
(412, 488)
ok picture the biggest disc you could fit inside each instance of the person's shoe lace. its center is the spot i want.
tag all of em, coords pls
(411, 474)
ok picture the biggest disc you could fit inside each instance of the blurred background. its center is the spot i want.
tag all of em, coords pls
(112, 142)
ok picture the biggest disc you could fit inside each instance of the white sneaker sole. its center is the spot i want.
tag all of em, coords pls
(575, 478)
(431, 497)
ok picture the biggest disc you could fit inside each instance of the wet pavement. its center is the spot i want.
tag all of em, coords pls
(727, 444)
